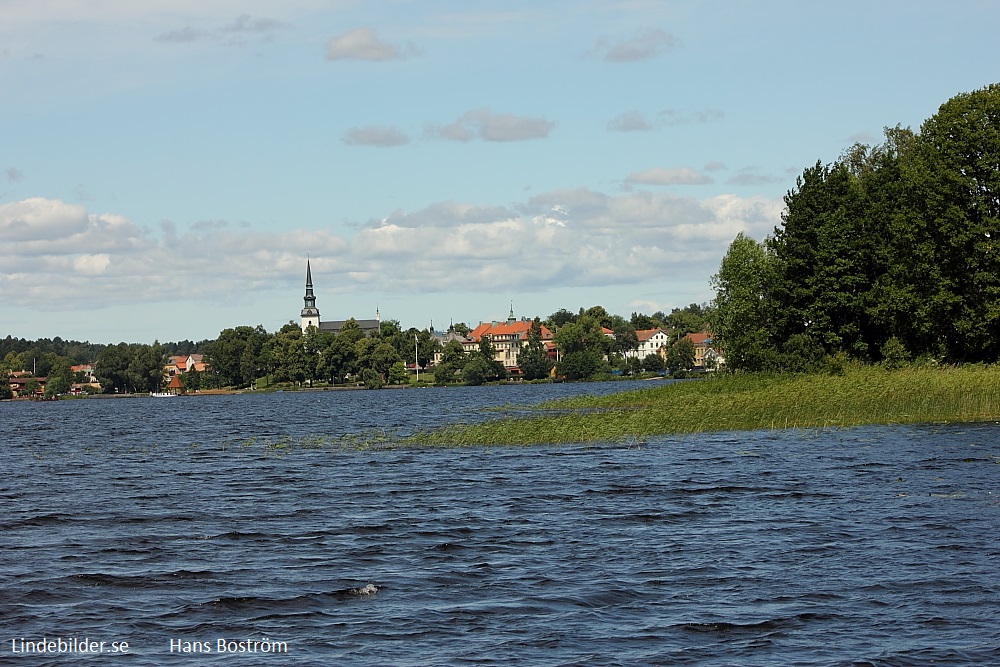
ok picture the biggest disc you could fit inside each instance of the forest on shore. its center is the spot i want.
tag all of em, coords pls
(890, 253)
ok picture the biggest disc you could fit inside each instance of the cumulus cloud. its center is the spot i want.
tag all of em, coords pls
(662, 176)
(362, 44)
(557, 239)
(375, 135)
(642, 45)
(488, 126)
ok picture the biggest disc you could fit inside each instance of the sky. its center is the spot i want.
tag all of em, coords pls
(168, 166)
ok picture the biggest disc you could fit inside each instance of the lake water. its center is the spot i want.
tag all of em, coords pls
(170, 524)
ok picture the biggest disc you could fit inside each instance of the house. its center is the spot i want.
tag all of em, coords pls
(650, 341)
(706, 356)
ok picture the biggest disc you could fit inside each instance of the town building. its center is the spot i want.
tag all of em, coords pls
(706, 356)
(507, 338)
(650, 341)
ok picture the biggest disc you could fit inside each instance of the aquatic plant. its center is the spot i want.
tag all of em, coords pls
(861, 395)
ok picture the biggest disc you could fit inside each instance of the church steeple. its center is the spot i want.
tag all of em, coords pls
(310, 313)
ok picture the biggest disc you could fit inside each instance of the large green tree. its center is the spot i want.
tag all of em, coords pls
(744, 304)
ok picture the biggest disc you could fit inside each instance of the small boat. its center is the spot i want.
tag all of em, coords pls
(161, 394)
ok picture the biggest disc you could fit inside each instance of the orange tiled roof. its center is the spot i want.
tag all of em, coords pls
(520, 329)
(699, 338)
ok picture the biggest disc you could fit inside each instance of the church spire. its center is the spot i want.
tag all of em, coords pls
(310, 313)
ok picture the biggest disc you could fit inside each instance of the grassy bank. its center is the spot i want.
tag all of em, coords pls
(862, 395)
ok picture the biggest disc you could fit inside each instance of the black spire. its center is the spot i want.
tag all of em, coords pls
(309, 298)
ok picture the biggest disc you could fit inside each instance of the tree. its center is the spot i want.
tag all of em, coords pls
(533, 359)
(561, 318)
(580, 364)
(453, 354)
(444, 373)
(398, 374)
(236, 355)
(488, 353)
(954, 187)
(582, 335)
(145, 367)
(654, 363)
(690, 319)
(60, 378)
(743, 304)
(477, 371)
(382, 358)
(680, 355)
(625, 339)
(111, 368)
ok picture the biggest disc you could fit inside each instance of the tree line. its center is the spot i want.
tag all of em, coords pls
(889, 253)
(244, 355)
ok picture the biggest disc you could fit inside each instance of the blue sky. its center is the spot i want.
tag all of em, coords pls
(166, 166)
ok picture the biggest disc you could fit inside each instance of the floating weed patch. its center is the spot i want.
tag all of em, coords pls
(863, 395)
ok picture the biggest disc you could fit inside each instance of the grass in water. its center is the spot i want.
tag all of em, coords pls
(862, 395)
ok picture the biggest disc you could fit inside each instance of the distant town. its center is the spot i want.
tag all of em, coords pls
(373, 353)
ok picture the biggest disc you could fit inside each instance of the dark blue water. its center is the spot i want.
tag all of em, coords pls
(173, 522)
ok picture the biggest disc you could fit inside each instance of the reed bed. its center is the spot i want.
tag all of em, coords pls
(862, 395)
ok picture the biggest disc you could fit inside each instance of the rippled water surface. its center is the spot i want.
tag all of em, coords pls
(164, 523)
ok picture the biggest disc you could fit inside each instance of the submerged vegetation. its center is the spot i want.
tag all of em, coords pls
(861, 395)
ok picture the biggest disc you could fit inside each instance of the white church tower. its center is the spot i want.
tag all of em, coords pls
(310, 313)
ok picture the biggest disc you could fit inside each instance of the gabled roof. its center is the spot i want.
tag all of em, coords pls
(642, 335)
(700, 338)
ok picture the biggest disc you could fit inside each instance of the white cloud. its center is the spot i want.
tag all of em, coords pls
(92, 265)
(488, 126)
(39, 219)
(64, 255)
(361, 44)
(643, 45)
(375, 135)
(662, 176)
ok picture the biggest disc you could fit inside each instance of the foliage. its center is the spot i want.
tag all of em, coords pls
(533, 360)
(894, 242)
(126, 368)
(372, 379)
(60, 378)
(654, 363)
(743, 308)
(444, 373)
(580, 364)
(477, 371)
(398, 374)
(680, 355)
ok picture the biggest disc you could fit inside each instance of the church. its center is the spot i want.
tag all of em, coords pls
(310, 313)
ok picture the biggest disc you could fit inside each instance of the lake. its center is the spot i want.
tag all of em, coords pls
(172, 525)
